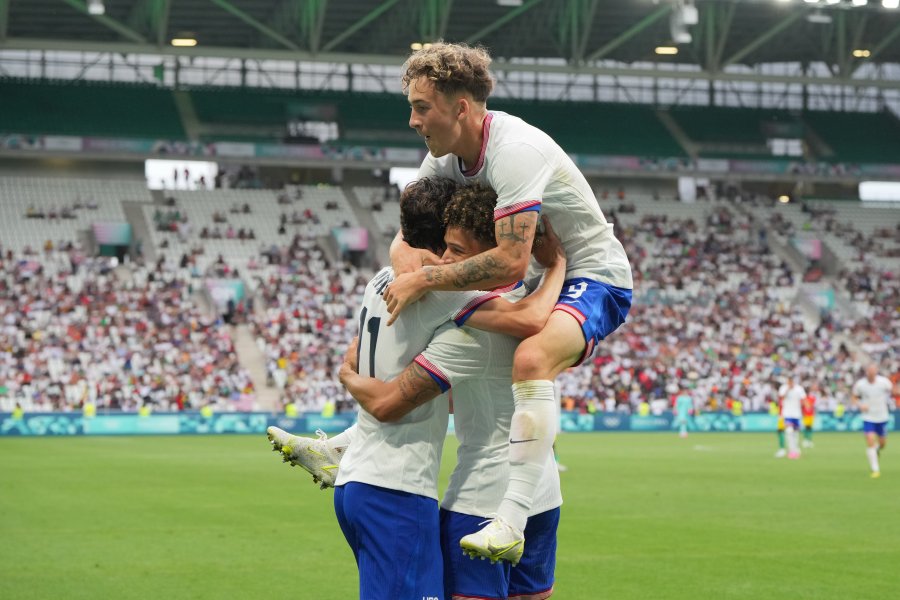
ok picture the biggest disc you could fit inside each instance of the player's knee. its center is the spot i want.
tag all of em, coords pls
(530, 363)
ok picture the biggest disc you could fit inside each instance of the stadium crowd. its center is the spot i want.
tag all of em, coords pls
(713, 315)
(78, 330)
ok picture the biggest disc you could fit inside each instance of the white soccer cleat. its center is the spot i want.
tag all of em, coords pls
(498, 540)
(781, 453)
(316, 456)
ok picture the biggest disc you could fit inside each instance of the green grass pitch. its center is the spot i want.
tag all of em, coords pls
(645, 516)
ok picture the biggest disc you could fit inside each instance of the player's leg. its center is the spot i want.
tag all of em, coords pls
(398, 539)
(463, 578)
(793, 437)
(533, 428)
(587, 311)
(871, 432)
(533, 577)
(782, 452)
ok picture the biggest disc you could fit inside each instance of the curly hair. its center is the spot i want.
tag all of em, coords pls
(453, 68)
(472, 209)
(422, 206)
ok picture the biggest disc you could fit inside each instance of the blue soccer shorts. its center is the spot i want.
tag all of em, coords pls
(794, 423)
(531, 579)
(598, 307)
(395, 537)
(879, 429)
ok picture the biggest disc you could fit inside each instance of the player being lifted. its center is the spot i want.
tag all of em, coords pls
(447, 86)
(872, 396)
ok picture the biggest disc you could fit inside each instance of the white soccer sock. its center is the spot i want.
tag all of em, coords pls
(792, 440)
(343, 439)
(531, 437)
(873, 458)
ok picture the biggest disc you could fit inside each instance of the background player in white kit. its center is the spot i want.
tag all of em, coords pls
(791, 395)
(872, 395)
(447, 87)
(477, 365)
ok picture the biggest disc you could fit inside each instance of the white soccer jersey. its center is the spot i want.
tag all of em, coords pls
(876, 395)
(478, 366)
(792, 400)
(528, 169)
(405, 455)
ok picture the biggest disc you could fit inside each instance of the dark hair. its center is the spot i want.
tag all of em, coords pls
(472, 208)
(453, 68)
(422, 206)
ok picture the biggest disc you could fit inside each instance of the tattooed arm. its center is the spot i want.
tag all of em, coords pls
(389, 401)
(505, 264)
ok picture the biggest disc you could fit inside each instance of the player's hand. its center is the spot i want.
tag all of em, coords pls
(413, 259)
(546, 247)
(402, 292)
(350, 355)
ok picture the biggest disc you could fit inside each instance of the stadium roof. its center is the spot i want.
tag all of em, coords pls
(580, 32)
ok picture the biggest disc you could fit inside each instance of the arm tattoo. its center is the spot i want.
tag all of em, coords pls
(482, 267)
(416, 386)
(434, 274)
(508, 229)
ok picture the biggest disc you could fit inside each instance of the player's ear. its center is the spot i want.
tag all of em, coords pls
(463, 108)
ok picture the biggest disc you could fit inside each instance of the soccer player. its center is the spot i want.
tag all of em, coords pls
(477, 366)
(386, 490)
(684, 408)
(791, 395)
(872, 395)
(447, 86)
(809, 416)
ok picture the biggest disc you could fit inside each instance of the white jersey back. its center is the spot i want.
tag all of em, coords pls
(792, 401)
(876, 395)
(478, 366)
(527, 169)
(405, 455)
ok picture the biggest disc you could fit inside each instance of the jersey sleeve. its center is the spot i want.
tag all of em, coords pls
(443, 306)
(519, 175)
(453, 356)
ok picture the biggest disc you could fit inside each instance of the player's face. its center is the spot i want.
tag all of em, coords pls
(461, 245)
(434, 116)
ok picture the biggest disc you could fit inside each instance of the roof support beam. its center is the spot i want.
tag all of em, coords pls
(260, 27)
(885, 43)
(433, 19)
(161, 20)
(876, 80)
(724, 28)
(768, 35)
(516, 12)
(630, 33)
(371, 16)
(119, 28)
(575, 23)
(4, 18)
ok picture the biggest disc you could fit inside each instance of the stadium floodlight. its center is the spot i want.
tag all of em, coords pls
(96, 7)
(890, 3)
(832, 1)
(859, 2)
(185, 42)
(509, 2)
(666, 50)
(862, 53)
(819, 18)
(811, 1)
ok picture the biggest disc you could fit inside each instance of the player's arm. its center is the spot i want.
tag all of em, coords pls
(528, 316)
(502, 265)
(390, 401)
